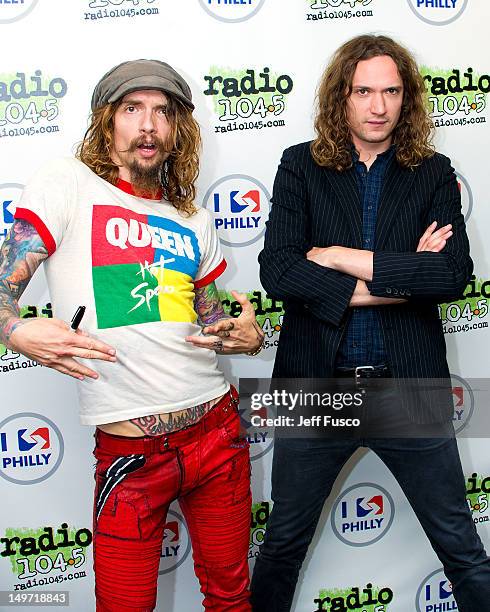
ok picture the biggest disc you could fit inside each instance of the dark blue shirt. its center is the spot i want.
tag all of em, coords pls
(362, 343)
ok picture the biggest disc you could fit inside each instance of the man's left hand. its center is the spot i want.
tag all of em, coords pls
(233, 335)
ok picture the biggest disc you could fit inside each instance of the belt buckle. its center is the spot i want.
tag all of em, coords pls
(359, 369)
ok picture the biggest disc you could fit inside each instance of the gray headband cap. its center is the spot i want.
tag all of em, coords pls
(137, 75)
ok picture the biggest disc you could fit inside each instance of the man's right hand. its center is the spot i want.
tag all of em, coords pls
(434, 240)
(51, 343)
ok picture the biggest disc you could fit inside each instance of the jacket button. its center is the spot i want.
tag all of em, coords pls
(388, 290)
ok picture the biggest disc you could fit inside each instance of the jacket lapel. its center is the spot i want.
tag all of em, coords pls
(395, 189)
(345, 186)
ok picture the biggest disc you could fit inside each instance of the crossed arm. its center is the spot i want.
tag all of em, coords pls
(327, 281)
(359, 263)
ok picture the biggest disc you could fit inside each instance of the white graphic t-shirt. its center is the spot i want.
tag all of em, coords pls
(134, 263)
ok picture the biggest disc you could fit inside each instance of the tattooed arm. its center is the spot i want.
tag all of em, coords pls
(47, 341)
(208, 305)
(20, 255)
(229, 335)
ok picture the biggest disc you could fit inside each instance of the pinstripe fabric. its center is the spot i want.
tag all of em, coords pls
(313, 206)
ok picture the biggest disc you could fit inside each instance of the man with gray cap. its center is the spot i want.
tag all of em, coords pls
(120, 234)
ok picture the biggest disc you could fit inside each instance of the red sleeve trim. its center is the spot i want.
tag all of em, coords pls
(209, 278)
(42, 230)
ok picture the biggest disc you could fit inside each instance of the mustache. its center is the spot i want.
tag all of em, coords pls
(141, 140)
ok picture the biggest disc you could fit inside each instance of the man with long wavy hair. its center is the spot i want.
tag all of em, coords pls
(120, 234)
(364, 239)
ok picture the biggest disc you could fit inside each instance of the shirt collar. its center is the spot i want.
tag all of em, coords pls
(385, 156)
(128, 188)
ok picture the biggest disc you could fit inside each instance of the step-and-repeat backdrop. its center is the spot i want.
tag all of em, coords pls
(253, 66)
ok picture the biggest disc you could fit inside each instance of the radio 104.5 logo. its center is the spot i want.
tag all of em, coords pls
(457, 97)
(30, 103)
(114, 9)
(366, 599)
(320, 10)
(248, 98)
(469, 313)
(46, 555)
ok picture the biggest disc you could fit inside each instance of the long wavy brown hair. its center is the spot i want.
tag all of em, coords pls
(179, 172)
(414, 131)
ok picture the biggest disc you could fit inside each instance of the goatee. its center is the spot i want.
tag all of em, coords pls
(146, 177)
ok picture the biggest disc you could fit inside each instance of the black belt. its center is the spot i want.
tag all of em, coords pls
(367, 371)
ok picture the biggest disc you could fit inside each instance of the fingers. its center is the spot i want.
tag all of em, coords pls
(259, 330)
(429, 230)
(236, 335)
(203, 341)
(243, 339)
(71, 367)
(441, 232)
(51, 343)
(426, 235)
(437, 246)
(242, 299)
(83, 346)
(433, 240)
(217, 344)
(92, 354)
(311, 255)
(214, 343)
(438, 241)
(222, 327)
(64, 370)
(85, 341)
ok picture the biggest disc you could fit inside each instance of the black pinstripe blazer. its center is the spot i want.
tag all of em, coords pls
(313, 206)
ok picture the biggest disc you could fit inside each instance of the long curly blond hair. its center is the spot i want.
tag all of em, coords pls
(179, 172)
(414, 131)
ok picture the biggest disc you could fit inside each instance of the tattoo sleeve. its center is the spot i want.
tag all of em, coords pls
(20, 255)
(208, 305)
